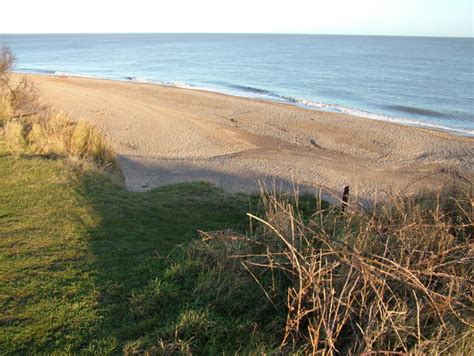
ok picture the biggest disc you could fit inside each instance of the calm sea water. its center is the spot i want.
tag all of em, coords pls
(417, 81)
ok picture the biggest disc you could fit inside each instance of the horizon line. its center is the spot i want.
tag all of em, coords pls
(230, 33)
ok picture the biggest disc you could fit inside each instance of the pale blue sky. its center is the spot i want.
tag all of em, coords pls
(371, 17)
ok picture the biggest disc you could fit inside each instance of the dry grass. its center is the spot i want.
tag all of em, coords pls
(6, 110)
(54, 134)
(32, 127)
(393, 280)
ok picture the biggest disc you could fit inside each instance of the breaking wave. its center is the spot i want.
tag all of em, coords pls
(417, 111)
(356, 112)
(250, 91)
(137, 79)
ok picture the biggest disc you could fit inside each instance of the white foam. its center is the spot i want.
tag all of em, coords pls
(297, 101)
(181, 85)
(400, 120)
(139, 80)
(374, 116)
(66, 74)
(312, 104)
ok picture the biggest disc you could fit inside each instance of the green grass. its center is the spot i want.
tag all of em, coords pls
(88, 267)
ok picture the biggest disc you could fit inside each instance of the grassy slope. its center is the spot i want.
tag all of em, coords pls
(88, 267)
(84, 266)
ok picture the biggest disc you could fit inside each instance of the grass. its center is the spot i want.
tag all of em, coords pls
(53, 133)
(33, 127)
(87, 266)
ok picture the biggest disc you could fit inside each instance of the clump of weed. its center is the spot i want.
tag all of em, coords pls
(396, 278)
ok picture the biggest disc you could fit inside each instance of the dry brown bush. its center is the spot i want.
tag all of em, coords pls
(393, 280)
(19, 97)
(7, 60)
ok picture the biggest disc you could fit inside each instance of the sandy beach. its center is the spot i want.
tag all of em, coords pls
(166, 135)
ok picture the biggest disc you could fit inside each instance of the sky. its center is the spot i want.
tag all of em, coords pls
(365, 17)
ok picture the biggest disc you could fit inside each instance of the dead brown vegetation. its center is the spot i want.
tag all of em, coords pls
(393, 280)
(33, 127)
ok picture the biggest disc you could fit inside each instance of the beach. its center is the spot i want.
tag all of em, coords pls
(164, 135)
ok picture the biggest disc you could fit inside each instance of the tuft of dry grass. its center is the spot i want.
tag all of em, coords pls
(52, 133)
(87, 142)
(32, 127)
(5, 110)
(393, 280)
(15, 134)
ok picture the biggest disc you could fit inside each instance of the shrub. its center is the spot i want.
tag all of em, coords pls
(7, 60)
(20, 98)
(395, 279)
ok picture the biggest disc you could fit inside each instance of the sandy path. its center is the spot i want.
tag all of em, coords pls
(164, 135)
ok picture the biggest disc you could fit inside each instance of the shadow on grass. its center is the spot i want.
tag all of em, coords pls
(87, 266)
(150, 289)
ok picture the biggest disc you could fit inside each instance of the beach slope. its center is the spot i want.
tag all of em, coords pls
(166, 135)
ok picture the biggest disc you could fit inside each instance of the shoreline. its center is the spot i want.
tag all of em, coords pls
(298, 102)
(165, 134)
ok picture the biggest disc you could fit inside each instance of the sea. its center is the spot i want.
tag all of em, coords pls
(419, 81)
